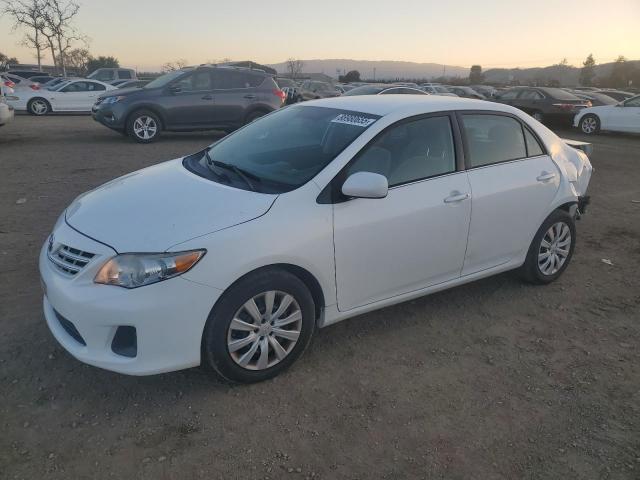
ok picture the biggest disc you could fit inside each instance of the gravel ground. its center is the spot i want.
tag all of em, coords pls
(492, 380)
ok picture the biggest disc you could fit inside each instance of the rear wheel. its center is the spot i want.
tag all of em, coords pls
(144, 126)
(259, 327)
(38, 106)
(551, 249)
(590, 124)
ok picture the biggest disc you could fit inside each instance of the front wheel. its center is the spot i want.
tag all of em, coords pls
(144, 126)
(590, 124)
(259, 327)
(551, 249)
(38, 106)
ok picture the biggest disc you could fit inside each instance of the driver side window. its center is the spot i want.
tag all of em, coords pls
(633, 102)
(410, 151)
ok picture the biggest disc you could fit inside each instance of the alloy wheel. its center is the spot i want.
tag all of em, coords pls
(554, 248)
(589, 125)
(39, 107)
(145, 127)
(264, 330)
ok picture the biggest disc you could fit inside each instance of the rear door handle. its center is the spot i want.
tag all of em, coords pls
(456, 197)
(250, 97)
(546, 176)
(207, 97)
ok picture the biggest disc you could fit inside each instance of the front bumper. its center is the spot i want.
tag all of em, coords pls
(168, 317)
(583, 202)
(112, 115)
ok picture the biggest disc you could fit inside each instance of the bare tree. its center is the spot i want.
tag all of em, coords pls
(294, 67)
(175, 65)
(78, 59)
(28, 14)
(58, 16)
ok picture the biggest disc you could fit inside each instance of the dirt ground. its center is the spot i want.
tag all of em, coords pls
(492, 380)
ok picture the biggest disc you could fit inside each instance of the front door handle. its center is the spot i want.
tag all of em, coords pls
(546, 176)
(250, 97)
(207, 97)
(456, 197)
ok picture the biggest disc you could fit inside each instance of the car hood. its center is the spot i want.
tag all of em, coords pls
(155, 208)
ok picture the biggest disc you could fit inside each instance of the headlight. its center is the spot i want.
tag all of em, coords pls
(132, 270)
(110, 100)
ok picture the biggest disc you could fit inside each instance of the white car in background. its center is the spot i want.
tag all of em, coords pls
(6, 111)
(232, 256)
(73, 96)
(622, 117)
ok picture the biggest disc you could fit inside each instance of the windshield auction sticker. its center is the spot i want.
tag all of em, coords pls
(356, 120)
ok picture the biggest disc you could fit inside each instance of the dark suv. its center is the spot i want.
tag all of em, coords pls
(544, 103)
(201, 98)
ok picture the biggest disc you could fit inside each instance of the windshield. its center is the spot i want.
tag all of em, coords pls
(283, 150)
(162, 80)
(441, 89)
(58, 86)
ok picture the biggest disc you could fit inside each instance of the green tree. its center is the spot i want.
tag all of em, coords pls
(6, 60)
(475, 75)
(621, 73)
(101, 62)
(588, 72)
(352, 76)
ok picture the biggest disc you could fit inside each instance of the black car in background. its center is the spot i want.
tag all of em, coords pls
(544, 103)
(618, 95)
(195, 98)
(291, 90)
(384, 89)
(466, 92)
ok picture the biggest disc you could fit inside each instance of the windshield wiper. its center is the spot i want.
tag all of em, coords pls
(243, 174)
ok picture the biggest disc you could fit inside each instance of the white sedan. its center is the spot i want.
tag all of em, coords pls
(622, 117)
(72, 96)
(232, 256)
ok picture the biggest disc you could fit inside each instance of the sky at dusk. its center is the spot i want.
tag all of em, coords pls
(494, 33)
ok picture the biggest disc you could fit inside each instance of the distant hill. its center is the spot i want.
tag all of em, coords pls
(384, 70)
(392, 70)
(566, 75)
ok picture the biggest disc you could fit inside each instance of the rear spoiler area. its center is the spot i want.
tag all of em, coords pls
(587, 148)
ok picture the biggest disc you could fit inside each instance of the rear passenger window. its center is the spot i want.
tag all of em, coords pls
(196, 82)
(226, 80)
(410, 151)
(533, 147)
(493, 139)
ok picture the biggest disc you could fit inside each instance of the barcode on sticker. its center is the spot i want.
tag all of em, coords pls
(356, 120)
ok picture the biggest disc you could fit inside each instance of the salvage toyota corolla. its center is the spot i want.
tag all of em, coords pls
(231, 257)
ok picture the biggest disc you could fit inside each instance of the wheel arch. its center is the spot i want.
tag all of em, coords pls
(33, 99)
(151, 108)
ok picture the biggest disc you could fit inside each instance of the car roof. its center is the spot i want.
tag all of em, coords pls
(408, 104)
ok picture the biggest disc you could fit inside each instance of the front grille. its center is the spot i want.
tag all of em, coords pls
(67, 259)
(71, 329)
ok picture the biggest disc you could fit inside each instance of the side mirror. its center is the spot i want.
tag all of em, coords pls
(365, 185)
(175, 88)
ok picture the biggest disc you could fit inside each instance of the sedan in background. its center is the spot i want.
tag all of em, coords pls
(384, 89)
(619, 95)
(313, 90)
(291, 90)
(72, 96)
(232, 257)
(466, 92)
(544, 103)
(622, 117)
(597, 99)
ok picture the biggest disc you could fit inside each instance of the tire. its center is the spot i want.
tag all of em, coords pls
(590, 124)
(38, 106)
(253, 116)
(242, 361)
(144, 126)
(538, 115)
(558, 232)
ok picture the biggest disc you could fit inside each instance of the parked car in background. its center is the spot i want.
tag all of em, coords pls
(73, 96)
(486, 90)
(621, 117)
(437, 89)
(544, 103)
(597, 99)
(25, 73)
(41, 79)
(344, 88)
(291, 90)
(19, 83)
(133, 84)
(233, 256)
(465, 92)
(618, 95)
(110, 75)
(52, 84)
(6, 110)
(313, 90)
(194, 98)
(384, 89)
